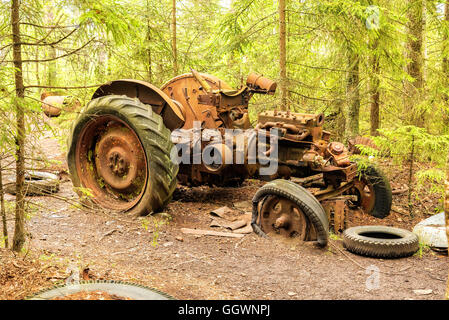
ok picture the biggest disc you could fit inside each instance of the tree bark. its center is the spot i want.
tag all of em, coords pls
(375, 94)
(150, 70)
(2, 209)
(19, 230)
(414, 68)
(446, 48)
(51, 77)
(282, 56)
(445, 65)
(174, 49)
(446, 214)
(353, 96)
(51, 51)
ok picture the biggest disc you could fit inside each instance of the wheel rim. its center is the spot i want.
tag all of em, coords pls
(111, 162)
(283, 217)
(365, 195)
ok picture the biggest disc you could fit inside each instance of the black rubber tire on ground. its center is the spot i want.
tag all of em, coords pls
(36, 183)
(382, 190)
(119, 288)
(380, 241)
(302, 197)
(154, 137)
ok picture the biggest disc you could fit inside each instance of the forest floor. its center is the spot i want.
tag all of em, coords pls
(108, 246)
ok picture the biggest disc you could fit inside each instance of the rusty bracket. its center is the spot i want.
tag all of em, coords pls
(336, 212)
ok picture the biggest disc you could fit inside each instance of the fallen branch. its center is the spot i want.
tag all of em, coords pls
(211, 233)
(399, 191)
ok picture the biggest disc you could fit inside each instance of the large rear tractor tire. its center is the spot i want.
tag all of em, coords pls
(119, 153)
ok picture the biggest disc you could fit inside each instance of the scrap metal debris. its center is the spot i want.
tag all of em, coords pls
(223, 212)
(228, 225)
(432, 232)
(237, 222)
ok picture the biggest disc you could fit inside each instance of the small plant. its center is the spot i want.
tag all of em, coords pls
(86, 193)
(44, 257)
(334, 236)
(156, 223)
(422, 249)
(3, 241)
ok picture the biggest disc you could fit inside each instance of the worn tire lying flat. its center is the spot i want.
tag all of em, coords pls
(380, 241)
(302, 197)
(36, 183)
(154, 137)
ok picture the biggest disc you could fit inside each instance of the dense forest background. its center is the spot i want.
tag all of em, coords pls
(377, 68)
(368, 64)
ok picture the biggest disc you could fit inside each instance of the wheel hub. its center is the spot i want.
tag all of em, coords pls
(112, 162)
(365, 195)
(283, 217)
(118, 158)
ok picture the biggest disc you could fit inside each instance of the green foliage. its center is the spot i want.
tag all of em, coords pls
(111, 15)
(427, 147)
(431, 180)
(334, 236)
(105, 40)
(368, 151)
(86, 192)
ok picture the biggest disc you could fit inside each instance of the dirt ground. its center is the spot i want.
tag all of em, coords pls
(154, 252)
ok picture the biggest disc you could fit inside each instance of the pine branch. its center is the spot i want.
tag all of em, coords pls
(50, 27)
(56, 58)
(62, 87)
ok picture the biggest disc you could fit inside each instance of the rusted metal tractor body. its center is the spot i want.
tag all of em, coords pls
(304, 147)
(197, 103)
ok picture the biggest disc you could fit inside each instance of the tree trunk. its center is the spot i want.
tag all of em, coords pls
(51, 50)
(282, 56)
(446, 50)
(51, 77)
(375, 94)
(174, 49)
(19, 230)
(446, 213)
(150, 70)
(2, 208)
(353, 96)
(414, 68)
(447, 232)
(445, 65)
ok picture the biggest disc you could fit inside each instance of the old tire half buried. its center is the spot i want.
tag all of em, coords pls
(118, 288)
(300, 202)
(373, 191)
(36, 183)
(380, 241)
(120, 150)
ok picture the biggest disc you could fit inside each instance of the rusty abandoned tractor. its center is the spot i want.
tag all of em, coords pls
(121, 148)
